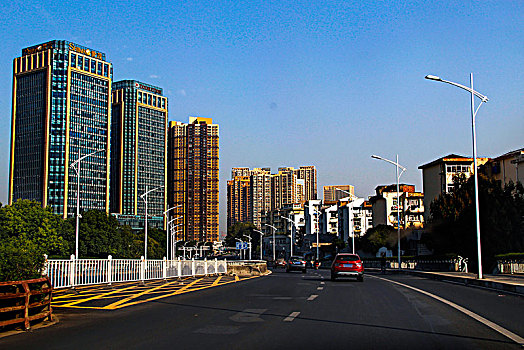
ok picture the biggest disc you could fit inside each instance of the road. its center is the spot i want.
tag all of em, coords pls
(294, 311)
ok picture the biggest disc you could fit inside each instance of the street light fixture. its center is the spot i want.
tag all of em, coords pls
(249, 237)
(350, 216)
(241, 243)
(291, 235)
(397, 165)
(274, 251)
(261, 236)
(318, 243)
(144, 198)
(77, 170)
(474, 111)
(166, 215)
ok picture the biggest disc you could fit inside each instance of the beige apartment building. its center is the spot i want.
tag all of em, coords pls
(507, 167)
(333, 193)
(438, 176)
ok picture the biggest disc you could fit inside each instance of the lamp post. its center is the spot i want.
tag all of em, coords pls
(249, 237)
(318, 243)
(274, 251)
(77, 170)
(291, 235)
(398, 197)
(261, 236)
(173, 236)
(166, 215)
(350, 216)
(241, 244)
(474, 111)
(144, 198)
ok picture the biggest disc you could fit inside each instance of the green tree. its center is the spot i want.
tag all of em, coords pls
(377, 237)
(452, 226)
(29, 221)
(238, 230)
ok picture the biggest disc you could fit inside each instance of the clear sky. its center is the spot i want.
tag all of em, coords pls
(303, 82)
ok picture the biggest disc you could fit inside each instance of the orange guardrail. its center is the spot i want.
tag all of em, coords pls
(25, 301)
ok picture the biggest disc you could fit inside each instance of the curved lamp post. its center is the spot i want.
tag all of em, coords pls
(249, 237)
(318, 219)
(350, 216)
(166, 215)
(474, 111)
(77, 170)
(144, 198)
(261, 236)
(398, 197)
(291, 235)
(274, 251)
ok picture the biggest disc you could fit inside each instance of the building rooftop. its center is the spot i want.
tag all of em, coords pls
(452, 158)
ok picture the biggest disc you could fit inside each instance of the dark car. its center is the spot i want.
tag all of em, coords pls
(347, 265)
(280, 262)
(296, 263)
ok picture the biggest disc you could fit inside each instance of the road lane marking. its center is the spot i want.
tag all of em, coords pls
(320, 288)
(516, 338)
(291, 316)
(312, 297)
(216, 281)
(322, 282)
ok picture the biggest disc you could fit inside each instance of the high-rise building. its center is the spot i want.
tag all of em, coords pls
(283, 188)
(238, 200)
(61, 111)
(333, 193)
(309, 175)
(260, 201)
(193, 177)
(138, 152)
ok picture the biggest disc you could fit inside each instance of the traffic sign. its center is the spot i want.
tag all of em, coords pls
(241, 245)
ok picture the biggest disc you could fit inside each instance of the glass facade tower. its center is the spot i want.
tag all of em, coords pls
(138, 152)
(61, 111)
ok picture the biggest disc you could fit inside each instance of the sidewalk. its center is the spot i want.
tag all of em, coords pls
(507, 283)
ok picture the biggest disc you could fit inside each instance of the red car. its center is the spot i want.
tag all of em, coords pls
(347, 265)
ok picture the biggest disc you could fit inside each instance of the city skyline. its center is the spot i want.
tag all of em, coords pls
(326, 86)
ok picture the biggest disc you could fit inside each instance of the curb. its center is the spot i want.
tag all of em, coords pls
(517, 289)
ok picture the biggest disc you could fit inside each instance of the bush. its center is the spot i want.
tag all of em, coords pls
(20, 259)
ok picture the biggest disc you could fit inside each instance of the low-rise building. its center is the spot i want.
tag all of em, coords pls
(507, 167)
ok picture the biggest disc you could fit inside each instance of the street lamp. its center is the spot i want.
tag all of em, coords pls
(398, 197)
(249, 237)
(77, 170)
(474, 136)
(350, 216)
(261, 236)
(241, 244)
(316, 213)
(291, 235)
(144, 198)
(173, 236)
(274, 252)
(166, 214)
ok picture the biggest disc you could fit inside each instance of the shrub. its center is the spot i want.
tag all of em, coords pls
(20, 259)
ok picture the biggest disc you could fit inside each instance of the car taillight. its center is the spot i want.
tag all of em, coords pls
(359, 264)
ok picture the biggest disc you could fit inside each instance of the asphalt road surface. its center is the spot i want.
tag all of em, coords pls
(296, 311)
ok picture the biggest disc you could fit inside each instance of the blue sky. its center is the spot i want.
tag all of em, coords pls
(303, 82)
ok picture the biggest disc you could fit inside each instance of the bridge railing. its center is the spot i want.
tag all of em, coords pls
(79, 272)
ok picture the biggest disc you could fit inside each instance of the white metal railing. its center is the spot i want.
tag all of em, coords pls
(78, 272)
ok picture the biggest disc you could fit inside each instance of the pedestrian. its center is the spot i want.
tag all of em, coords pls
(383, 263)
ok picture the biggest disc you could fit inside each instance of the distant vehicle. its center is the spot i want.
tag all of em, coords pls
(280, 262)
(347, 265)
(296, 263)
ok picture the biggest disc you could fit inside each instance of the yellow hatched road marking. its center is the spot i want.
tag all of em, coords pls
(237, 278)
(98, 296)
(138, 295)
(216, 281)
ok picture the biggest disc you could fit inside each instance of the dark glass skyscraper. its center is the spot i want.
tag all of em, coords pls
(138, 152)
(61, 111)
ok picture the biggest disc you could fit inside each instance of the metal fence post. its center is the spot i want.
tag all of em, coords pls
(205, 266)
(72, 271)
(193, 267)
(164, 268)
(216, 266)
(109, 272)
(179, 270)
(142, 268)
(44, 271)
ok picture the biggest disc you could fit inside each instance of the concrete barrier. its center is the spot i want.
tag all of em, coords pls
(247, 268)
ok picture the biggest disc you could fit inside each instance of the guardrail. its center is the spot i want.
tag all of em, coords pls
(25, 301)
(79, 272)
(510, 266)
(424, 265)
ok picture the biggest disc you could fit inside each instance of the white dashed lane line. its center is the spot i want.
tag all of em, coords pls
(312, 297)
(291, 316)
(320, 288)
